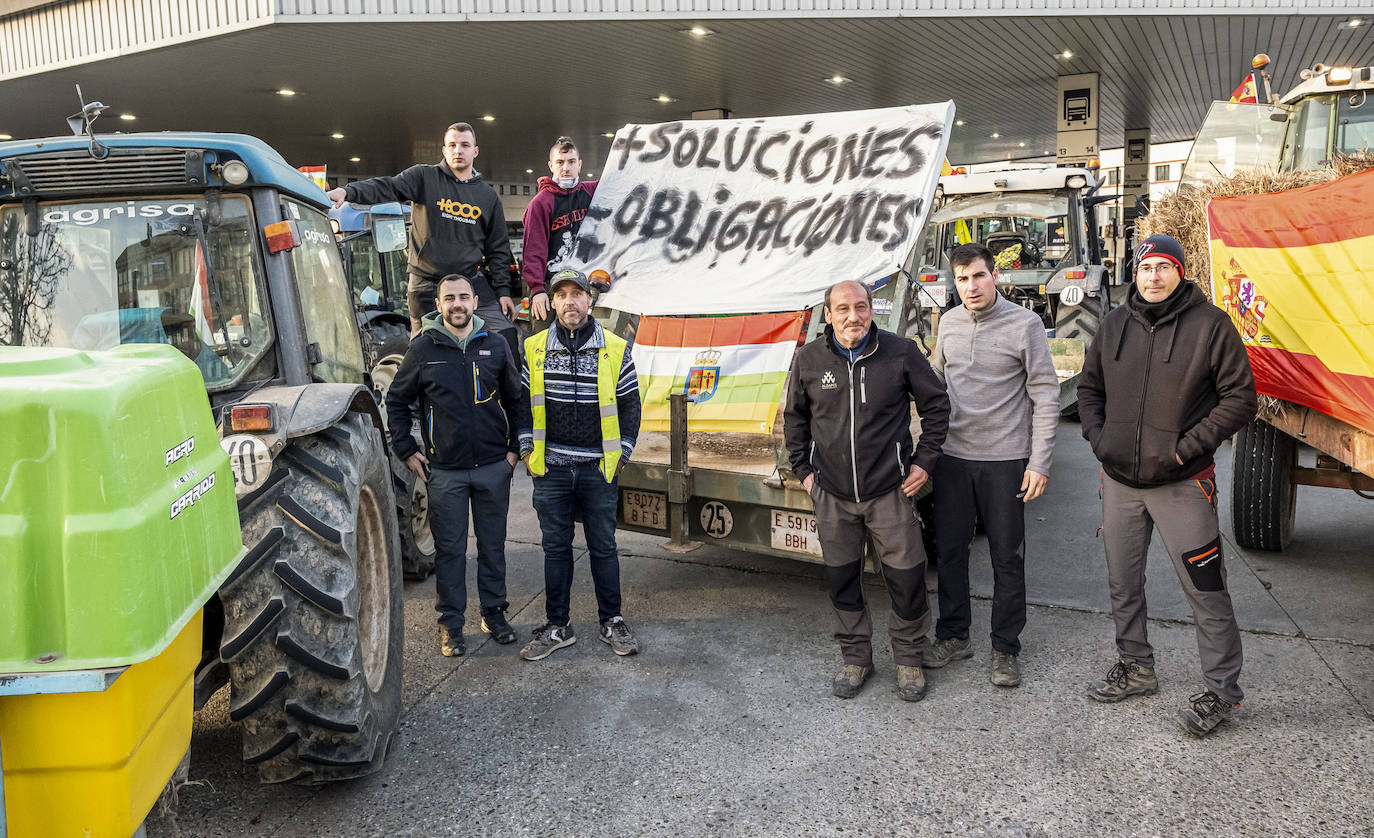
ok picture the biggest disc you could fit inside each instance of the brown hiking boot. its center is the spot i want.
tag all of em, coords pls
(850, 680)
(1125, 679)
(1004, 670)
(911, 683)
(1204, 712)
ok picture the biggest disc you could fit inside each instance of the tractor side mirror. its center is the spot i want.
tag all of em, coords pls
(389, 234)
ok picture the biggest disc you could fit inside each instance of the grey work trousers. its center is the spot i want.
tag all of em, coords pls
(892, 523)
(1186, 515)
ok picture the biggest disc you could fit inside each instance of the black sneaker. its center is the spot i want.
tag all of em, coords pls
(1125, 679)
(946, 650)
(498, 628)
(451, 643)
(1204, 712)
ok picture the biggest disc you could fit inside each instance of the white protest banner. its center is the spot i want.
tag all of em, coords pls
(727, 216)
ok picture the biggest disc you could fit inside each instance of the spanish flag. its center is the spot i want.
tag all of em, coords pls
(1295, 271)
(1246, 91)
(732, 369)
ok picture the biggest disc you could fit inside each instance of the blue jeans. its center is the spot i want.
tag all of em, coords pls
(561, 495)
(487, 490)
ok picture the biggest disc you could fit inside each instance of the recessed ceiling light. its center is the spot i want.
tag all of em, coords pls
(837, 79)
(127, 117)
(1022, 145)
(529, 171)
(355, 159)
(486, 117)
(591, 174)
(699, 31)
(6, 136)
(664, 98)
(1066, 54)
(995, 135)
(609, 134)
(286, 91)
(959, 122)
(336, 135)
(1353, 23)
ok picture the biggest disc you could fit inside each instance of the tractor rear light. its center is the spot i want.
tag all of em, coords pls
(250, 417)
(284, 235)
(929, 277)
(1076, 274)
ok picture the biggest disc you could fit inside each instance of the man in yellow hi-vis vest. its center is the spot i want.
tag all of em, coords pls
(579, 419)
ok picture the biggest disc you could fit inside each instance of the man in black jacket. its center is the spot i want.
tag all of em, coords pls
(458, 223)
(467, 386)
(848, 438)
(1164, 384)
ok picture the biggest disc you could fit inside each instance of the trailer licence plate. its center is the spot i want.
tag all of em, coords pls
(794, 532)
(932, 294)
(645, 509)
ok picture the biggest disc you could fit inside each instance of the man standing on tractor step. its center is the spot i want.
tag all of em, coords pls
(467, 384)
(849, 442)
(1164, 384)
(551, 223)
(1004, 408)
(458, 222)
(579, 420)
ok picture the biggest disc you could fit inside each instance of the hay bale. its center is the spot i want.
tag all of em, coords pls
(1183, 215)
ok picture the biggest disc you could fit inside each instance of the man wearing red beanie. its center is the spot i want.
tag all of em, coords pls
(1164, 384)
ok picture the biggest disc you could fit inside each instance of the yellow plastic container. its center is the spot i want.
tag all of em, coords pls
(93, 764)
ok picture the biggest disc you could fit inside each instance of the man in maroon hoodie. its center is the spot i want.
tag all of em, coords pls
(551, 222)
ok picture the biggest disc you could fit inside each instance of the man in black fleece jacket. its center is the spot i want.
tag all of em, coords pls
(458, 222)
(1164, 384)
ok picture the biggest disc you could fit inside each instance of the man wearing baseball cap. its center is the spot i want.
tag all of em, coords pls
(578, 422)
(1164, 384)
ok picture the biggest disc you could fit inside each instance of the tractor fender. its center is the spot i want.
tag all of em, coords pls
(1093, 279)
(307, 409)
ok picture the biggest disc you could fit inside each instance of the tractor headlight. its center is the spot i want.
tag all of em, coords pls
(234, 172)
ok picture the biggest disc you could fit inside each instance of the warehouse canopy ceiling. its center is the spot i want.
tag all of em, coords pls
(390, 82)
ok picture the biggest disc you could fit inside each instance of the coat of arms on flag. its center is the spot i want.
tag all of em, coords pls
(704, 376)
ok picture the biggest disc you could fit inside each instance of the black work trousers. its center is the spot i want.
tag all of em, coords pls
(965, 490)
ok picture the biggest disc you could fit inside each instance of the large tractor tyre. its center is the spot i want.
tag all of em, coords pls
(390, 337)
(313, 620)
(1264, 499)
(1080, 321)
(412, 494)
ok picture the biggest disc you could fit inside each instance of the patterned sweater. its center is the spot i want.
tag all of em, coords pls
(574, 421)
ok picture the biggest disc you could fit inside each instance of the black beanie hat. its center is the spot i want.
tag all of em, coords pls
(1166, 246)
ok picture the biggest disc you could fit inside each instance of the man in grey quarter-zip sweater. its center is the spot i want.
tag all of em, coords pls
(848, 434)
(1004, 407)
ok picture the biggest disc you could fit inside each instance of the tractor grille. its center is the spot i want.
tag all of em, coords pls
(121, 171)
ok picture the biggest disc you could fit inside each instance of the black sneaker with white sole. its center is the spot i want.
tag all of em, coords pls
(500, 630)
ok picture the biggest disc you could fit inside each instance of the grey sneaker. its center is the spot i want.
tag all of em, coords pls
(911, 683)
(547, 639)
(1004, 670)
(451, 643)
(945, 650)
(850, 680)
(1125, 679)
(617, 635)
(1204, 712)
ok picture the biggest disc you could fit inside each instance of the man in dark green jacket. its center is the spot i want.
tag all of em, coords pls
(1164, 384)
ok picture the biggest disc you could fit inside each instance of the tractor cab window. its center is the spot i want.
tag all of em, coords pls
(101, 273)
(325, 297)
(1309, 137)
(1355, 123)
(1027, 231)
(365, 267)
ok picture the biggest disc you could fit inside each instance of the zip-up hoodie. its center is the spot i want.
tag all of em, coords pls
(551, 223)
(1003, 393)
(1164, 382)
(849, 422)
(468, 392)
(461, 225)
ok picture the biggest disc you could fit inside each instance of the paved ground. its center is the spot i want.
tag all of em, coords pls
(725, 725)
